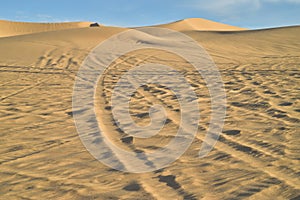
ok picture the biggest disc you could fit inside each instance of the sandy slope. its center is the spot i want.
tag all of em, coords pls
(10, 28)
(257, 156)
(199, 24)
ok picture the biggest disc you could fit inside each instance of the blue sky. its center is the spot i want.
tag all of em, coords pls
(244, 13)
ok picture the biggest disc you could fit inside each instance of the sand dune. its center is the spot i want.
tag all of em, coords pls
(199, 24)
(10, 28)
(257, 156)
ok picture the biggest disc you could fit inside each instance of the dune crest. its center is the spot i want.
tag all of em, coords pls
(199, 24)
(11, 28)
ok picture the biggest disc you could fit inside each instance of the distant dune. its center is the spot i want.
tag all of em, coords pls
(199, 24)
(256, 157)
(10, 28)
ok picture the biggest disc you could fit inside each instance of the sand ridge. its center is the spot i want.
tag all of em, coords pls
(200, 25)
(11, 28)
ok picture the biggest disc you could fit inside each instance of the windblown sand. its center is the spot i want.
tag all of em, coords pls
(256, 157)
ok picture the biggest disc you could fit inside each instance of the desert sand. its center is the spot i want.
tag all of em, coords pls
(256, 157)
(199, 25)
(10, 28)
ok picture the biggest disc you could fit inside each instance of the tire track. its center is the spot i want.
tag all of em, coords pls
(106, 125)
(240, 155)
(24, 89)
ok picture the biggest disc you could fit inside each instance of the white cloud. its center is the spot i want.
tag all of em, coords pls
(241, 12)
(225, 8)
(232, 7)
(282, 1)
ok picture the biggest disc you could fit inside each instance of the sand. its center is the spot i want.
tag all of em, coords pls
(10, 28)
(256, 157)
(200, 25)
